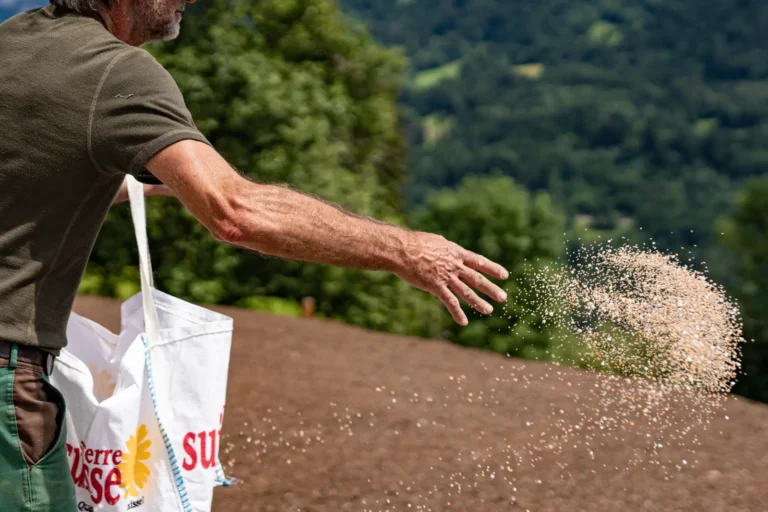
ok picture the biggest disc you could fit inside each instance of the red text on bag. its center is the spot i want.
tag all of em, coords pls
(96, 472)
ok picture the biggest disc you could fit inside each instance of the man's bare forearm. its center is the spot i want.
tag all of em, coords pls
(277, 221)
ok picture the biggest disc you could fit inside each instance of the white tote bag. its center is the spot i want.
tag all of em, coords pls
(145, 407)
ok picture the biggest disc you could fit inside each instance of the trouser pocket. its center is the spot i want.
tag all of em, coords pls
(34, 469)
(50, 482)
(39, 409)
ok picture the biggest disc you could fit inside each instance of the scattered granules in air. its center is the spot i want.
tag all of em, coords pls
(643, 313)
(668, 338)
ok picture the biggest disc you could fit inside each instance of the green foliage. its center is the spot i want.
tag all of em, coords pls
(653, 111)
(499, 219)
(533, 70)
(431, 77)
(745, 233)
(289, 92)
(435, 128)
(605, 33)
(276, 305)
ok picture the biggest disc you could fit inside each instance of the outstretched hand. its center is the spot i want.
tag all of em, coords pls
(446, 270)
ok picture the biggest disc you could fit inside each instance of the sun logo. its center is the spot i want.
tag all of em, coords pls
(133, 472)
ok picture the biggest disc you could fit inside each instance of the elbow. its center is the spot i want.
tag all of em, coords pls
(225, 230)
(225, 225)
(240, 219)
(225, 218)
(218, 213)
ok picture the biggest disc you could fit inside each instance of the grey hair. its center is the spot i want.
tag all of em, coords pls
(84, 6)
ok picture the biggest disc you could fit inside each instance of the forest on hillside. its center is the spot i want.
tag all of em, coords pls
(630, 113)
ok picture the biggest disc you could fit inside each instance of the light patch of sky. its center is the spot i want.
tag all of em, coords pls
(20, 5)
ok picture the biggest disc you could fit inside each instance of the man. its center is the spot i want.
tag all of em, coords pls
(82, 106)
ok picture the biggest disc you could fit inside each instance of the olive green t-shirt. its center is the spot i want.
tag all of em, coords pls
(79, 110)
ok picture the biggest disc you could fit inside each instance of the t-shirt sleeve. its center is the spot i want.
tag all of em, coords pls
(137, 112)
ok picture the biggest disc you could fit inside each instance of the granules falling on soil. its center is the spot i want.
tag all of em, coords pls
(664, 339)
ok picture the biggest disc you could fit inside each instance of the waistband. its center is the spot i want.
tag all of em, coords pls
(34, 356)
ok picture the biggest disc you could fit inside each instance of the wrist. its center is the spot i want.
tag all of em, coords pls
(399, 250)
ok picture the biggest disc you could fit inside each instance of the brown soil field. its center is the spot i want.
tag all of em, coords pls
(322, 416)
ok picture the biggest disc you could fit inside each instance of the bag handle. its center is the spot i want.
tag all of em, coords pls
(138, 213)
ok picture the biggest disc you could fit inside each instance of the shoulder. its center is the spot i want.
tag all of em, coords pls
(135, 68)
(138, 59)
(138, 63)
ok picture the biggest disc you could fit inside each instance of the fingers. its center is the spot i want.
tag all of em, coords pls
(452, 303)
(484, 265)
(470, 297)
(481, 283)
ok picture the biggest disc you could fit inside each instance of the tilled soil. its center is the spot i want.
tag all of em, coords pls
(325, 417)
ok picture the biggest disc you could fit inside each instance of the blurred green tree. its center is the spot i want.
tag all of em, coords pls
(745, 234)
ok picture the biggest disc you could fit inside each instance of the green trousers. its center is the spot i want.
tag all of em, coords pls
(34, 477)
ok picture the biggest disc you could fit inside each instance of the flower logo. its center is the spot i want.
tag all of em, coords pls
(133, 472)
(103, 383)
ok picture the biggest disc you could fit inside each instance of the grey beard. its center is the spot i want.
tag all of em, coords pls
(153, 26)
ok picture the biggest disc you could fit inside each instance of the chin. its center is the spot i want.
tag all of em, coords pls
(167, 32)
(172, 35)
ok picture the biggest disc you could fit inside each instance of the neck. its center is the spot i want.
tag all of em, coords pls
(119, 23)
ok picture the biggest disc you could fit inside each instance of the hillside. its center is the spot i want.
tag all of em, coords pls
(632, 114)
(326, 417)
